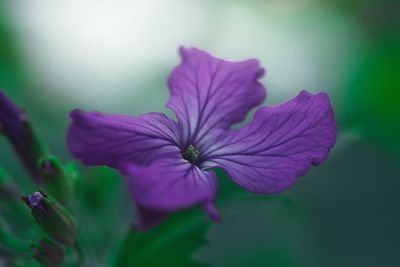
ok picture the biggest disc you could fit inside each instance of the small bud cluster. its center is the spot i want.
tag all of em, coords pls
(57, 180)
(47, 208)
(52, 217)
(47, 252)
(15, 125)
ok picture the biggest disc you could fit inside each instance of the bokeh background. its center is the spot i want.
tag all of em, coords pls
(114, 56)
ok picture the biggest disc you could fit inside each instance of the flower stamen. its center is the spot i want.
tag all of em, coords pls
(191, 154)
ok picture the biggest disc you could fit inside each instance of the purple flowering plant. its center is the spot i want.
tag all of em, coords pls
(15, 125)
(169, 163)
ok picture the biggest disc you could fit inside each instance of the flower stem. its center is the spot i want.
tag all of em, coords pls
(13, 243)
(82, 252)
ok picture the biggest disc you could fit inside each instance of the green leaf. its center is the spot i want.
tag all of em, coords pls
(170, 244)
(371, 99)
(174, 242)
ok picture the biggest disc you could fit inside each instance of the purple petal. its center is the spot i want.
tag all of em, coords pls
(171, 184)
(104, 139)
(35, 199)
(11, 117)
(207, 92)
(279, 145)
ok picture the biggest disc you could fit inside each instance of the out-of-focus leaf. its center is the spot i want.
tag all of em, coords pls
(11, 72)
(170, 244)
(103, 209)
(175, 241)
(372, 98)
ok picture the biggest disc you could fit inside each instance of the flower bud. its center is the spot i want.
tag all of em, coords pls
(14, 124)
(52, 217)
(47, 252)
(57, 181)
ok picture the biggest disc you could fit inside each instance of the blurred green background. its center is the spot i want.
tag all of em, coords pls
(114, 56)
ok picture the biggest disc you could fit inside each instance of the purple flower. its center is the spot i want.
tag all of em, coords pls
(169, 163)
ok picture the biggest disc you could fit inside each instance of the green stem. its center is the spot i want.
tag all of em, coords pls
(82, 252)
(13, 243)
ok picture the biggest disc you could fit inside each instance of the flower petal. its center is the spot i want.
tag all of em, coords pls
(105, 139)
(207, 92)
(171, 184)
(279, 145)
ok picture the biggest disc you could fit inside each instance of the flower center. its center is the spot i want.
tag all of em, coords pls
(191, 154)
